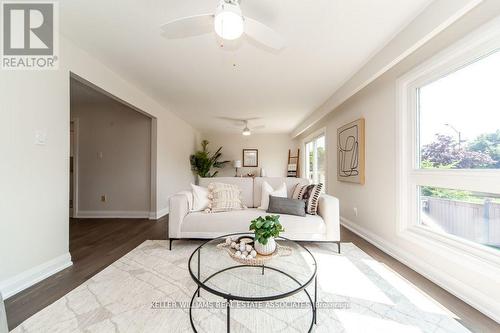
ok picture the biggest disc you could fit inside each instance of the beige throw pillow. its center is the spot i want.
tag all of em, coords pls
(224, 198)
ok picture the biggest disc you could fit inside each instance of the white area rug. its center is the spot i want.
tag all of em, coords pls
(368, 296)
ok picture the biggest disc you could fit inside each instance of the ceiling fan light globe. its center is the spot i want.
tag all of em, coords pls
(246, 131)
(228, 22)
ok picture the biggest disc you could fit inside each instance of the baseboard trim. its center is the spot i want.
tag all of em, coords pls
(96, 214)
(447, 282)
(162, 212)
(34, 275)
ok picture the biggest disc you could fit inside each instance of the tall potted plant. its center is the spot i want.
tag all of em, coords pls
(202, 161)
(266, 229)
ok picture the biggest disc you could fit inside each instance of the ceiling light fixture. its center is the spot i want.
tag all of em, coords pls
(246, 131)
(228, 21)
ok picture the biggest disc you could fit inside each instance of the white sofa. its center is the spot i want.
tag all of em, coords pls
(183, 223)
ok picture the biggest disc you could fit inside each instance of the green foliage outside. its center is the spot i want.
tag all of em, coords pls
(266, 227)
(445, 153)
(459, 195)
(202, 162)
(488, 144)
(320, 151)
(321, 155)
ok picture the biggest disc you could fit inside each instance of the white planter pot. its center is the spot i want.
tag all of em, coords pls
(267, 249)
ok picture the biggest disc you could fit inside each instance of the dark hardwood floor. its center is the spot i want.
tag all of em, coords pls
(96, 243)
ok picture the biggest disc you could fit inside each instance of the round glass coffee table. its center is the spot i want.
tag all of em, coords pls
(214, 271)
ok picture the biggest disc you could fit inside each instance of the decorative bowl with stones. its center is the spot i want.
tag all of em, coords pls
(241, 250)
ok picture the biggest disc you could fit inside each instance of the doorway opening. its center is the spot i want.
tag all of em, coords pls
(112, 158)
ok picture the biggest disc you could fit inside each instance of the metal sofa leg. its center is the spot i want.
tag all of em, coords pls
(170, 241)
(338, 246)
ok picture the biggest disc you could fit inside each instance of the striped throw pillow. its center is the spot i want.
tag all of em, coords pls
(224, 198)
(310, 194)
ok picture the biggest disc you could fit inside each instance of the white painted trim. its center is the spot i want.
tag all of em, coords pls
(460, 247)
(162, 212)
(314, 135)
(113, 214)
(469, 295)
(34, 275)
(154, 164)
(438, 16)
(76, 157)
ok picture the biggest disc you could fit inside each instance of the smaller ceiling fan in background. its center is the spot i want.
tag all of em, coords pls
(246, 131)
(228, 23)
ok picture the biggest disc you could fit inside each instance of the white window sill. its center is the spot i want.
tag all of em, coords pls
(458, 246)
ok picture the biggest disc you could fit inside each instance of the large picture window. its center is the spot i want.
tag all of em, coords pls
(316, 160)
(450, 147)
(459, 128)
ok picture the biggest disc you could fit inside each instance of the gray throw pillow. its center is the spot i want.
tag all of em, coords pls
(279, 205)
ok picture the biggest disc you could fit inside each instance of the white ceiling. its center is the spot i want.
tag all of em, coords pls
(327, 41)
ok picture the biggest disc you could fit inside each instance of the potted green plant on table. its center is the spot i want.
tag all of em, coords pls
(202, 161)
(266, 229)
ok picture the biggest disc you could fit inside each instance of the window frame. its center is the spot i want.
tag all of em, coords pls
(472, 48)
(312, 138)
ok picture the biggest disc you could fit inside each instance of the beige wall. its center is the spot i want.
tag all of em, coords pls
(114, 158)
(34, 179)
(273, 151)
(376, 200)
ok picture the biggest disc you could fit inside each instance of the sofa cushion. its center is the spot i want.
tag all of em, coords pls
(245, 184)
(275, 182)
(239, 221)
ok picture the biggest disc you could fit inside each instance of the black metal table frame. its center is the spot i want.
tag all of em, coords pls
(229, 297)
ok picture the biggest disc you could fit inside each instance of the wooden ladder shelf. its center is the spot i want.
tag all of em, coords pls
(293, 164)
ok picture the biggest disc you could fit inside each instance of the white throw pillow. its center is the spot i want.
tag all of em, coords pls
(267, 190)
(200, 198)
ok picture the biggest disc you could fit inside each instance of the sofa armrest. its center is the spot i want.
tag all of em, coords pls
(179, 208)
(328, 209)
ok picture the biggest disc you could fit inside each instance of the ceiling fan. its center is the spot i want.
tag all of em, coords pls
(244, 122)
(228, 23)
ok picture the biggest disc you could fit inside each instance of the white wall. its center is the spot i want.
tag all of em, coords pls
(273, 151)
(34, 179)
(114, 158)
(467, 277)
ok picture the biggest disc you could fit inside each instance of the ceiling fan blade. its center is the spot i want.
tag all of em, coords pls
(258, 127)
(188, 26)
(234, 121)
(238, 121)
(263, 34)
